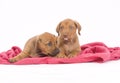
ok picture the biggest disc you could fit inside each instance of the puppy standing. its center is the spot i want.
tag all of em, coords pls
(38, 46)
(67, 38)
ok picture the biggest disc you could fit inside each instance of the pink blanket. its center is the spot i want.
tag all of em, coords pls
(91, 52)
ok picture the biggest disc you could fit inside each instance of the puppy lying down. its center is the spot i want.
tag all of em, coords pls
(38, 46)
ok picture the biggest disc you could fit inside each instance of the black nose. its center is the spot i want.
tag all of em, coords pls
(65, 35)
(55, 52)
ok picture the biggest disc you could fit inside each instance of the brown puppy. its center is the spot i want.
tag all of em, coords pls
(67, 38)
(38, 46)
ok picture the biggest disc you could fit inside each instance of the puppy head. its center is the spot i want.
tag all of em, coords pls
(46, 43)
(67, 29)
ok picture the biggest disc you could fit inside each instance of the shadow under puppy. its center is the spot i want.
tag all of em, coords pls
(67, 40)
(38, 46)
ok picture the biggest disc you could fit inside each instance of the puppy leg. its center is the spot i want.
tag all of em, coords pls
(19, 57)
(25, 53)
(74, 53)
(61, 55)
(28, 49)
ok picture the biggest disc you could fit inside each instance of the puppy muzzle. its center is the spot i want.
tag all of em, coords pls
(66, 40)
(55, 52)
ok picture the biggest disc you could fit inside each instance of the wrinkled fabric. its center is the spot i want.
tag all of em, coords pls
(91, 52)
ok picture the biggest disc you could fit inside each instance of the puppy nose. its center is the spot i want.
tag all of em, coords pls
(65, 35)
(55, 52)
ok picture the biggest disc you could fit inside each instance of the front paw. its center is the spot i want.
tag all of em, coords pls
(12, 60)
(61, 56)
(72, 55)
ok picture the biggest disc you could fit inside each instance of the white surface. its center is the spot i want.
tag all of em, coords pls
(22, 19)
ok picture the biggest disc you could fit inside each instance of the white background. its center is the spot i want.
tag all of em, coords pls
(22, 19)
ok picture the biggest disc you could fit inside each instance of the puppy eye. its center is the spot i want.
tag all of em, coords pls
(49, 44)
(61, 27)
(71, 27)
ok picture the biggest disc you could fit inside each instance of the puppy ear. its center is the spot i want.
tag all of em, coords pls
(36, 43)
(58, 28)
(78, 26)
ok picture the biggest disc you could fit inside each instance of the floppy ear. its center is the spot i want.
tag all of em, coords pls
(58, 28)
(78, 26)
(36, 43)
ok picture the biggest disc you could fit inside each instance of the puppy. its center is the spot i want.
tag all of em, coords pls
(67, 39)
(38, 46)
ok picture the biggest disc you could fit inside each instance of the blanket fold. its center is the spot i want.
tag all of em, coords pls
(91, 52)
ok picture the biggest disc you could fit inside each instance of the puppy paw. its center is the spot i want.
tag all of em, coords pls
(12, 60)
(72, 55)
(61, 56)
